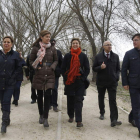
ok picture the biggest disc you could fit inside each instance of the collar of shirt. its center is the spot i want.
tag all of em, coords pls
(106, 54)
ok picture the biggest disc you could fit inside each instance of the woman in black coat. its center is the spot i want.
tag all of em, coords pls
(75, 69)
(9, 68)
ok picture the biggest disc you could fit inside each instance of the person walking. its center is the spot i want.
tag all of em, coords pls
(30, 72)
(74, 63)
(131, 77)
(54, 95)
(9, 68)
(19, 79)
(43, 58)
(107, 66)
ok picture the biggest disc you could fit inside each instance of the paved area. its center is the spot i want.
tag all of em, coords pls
(25, 126)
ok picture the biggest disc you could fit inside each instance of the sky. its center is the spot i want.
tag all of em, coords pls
(121, 45)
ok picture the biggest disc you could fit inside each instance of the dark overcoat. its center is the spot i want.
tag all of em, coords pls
(131, 69)
(44, 78)
(9, 69)
(77, 88)
(110, 75)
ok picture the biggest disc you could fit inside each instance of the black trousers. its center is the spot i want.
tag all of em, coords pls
(33, 91)
(130, 116)
(74, 106)
(112, 100)
(54, 95)
(135, 101)
(43, 106)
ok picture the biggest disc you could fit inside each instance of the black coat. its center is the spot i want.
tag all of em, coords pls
(131, 63)
(110, 75)
(79, 82)
(29, 71)
(9, 69)
(58, 67)
(20, 75)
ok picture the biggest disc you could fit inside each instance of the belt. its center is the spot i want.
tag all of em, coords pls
(47, 64)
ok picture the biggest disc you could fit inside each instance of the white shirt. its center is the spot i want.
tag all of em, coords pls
(106, 54)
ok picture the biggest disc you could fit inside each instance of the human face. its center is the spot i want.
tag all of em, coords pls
(107, 46)
(7, 44)
(75, 44)
(46, 38)
(136, 42)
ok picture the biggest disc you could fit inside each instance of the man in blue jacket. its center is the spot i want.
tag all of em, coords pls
(131, 77)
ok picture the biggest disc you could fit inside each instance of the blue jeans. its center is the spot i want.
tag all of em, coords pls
(5, 96)
(135, 101)
(17, 90)
(54, 95)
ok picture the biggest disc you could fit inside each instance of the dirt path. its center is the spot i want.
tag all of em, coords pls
(25, 126)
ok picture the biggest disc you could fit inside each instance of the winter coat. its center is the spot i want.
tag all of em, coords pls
(44, 78)
(58, 67)
(131, 69)
(110, 75)
(9, 69)
(77, 88)
(29, 71)
(20, 75)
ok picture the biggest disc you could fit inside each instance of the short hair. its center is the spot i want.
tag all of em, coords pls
(138, 34)
(11, 38)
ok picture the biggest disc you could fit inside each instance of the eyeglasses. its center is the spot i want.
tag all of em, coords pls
(108, 45)
(136, 40)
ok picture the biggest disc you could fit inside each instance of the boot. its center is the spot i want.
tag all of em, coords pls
(5, 120)
(41, 119)
(46, 122)
(8, 119)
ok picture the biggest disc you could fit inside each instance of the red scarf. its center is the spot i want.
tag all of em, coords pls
(74, 66)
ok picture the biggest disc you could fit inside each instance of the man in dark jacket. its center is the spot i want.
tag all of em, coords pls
(29, 74)
(107, 66)
(131, 77)
(19, 80)
(57, 75)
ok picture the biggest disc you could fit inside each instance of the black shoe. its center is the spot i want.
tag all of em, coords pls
(41, 119)
(46, 123)
(133, 123)
(13, 102)
(79, 124)
(33, 101)
(55, 109)
(114, 123)
(5, 119)
(16, 102)
(50, 107)
(139, 133)
(101, 117)
(70, 120)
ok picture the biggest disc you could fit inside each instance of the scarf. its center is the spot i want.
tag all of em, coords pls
(74, 66)
(41, 53)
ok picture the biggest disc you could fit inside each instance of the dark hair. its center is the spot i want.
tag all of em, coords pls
(11, 38)
(42, 33)
(138, 34)
(52, 40)
(77, 39)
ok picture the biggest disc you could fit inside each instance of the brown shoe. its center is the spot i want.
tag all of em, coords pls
(79, 124)
(70, 120)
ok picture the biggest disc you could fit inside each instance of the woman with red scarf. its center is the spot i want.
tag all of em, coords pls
(73, 63)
